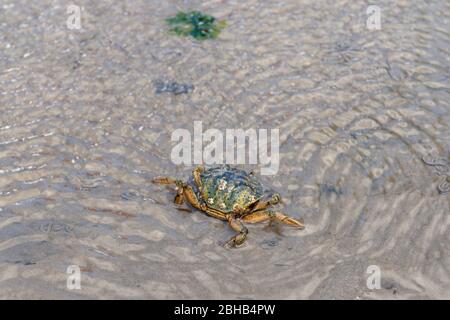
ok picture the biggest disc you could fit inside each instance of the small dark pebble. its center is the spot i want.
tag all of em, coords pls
(389, 285)
(128, 195)
(282, 265)
(341, 47)
(269, 244)
(25, 263)
(328, 189)
(174, 87)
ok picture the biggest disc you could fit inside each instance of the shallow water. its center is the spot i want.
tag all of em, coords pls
(83, 132)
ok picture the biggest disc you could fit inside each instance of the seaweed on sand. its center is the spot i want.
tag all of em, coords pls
(195, 24)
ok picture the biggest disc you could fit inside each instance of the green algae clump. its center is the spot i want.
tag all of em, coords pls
(195, 24)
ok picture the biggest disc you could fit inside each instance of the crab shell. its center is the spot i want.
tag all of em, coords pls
(227, 189)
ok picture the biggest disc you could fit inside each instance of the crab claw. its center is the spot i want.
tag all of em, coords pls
(167, 180)
(163, 180)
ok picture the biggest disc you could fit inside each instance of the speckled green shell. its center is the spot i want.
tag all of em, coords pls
(225, 188)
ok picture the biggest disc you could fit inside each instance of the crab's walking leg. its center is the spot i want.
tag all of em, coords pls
(260, 216)
(191, 197)
(164, 180)
(255, 217)
(286, 219)
(214, 213)
(237, 226)
(179, 198)
(196, 173)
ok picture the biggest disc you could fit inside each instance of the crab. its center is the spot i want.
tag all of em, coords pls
(229, 194)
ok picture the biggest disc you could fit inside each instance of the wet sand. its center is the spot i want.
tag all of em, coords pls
(83, 132)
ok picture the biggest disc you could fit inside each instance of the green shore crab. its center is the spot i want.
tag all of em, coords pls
(231, 195)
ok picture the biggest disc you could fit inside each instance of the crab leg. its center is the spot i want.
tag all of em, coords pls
(197, 171)
(255, 217)
(237, 226)
(261, 216)
(285, 219)
(214, 213)
(192, 198)
(168, 180)
(179, 198)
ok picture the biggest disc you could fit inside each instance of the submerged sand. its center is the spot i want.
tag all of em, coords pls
(83, 131)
